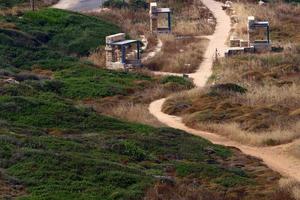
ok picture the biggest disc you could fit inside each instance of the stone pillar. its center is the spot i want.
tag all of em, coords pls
(109, 52)
(153, 17)
(112, 52)
(251, 30)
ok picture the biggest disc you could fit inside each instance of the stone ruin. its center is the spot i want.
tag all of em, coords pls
(154, 15)
(117, 56)
(252, 45)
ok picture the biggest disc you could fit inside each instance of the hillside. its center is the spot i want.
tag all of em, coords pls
(54, 146)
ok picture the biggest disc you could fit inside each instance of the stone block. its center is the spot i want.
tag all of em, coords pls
(153, 7)
(115, 38)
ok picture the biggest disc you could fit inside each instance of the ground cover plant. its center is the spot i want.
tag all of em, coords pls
(50, 34)
(53, 145)
(53, 148)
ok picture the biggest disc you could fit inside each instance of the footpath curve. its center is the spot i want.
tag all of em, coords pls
(274, 157)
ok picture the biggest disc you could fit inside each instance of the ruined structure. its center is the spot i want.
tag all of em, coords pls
(254, 29)
(154, 15)
(258, 39)
(117, 56)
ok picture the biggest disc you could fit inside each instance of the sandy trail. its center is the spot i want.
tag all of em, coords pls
(276, 157)
(79, 5)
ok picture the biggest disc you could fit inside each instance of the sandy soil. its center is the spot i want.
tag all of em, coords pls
(276, 157)
(79, 5)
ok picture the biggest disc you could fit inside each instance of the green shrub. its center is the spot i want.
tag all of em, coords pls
(177, 80)
(10, 3)
(228, 87)
(84, 82)
(132, 150)
(138, 4)
(132, 4)
(116, 4)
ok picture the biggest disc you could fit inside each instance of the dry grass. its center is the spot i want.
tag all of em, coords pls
(268, 95)
(294, 149)
(190, 17)
(234, 132)
(267, 114)
(288, 189)
(132, 112)
(134, 108)
(98, 57)
(178, 55)
(19, 9)
(133, 23)
(182, 56)
(283, 17)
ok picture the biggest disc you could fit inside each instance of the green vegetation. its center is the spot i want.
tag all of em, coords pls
(47, 38)
(62, 152)
(10, 3)
(132, 4)
(176, 80)
(91, 82)
(58, 148)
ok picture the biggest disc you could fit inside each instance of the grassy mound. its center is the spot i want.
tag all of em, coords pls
(59, 151)
(49, 37)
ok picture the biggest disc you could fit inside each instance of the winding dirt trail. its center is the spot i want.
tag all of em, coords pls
(276, 157)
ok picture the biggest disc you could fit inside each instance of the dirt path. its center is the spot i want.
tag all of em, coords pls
(79, 5)
(275, 157)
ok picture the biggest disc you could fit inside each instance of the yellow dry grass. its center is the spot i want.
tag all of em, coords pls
(294, 149)
(270, 94)
(263, 138)
(267, 114)
(190, 18)
(132, 112)
(98, 57)
(283, 18)
(291, 187)
(178, 55)
(134, 108)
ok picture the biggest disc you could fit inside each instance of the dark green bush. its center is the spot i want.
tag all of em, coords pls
(138, 4)
(177, 80)
(132, 150)
(132, 4)
(116, 4)
(228, 87)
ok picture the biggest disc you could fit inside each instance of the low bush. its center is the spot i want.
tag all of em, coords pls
(116, 4)
(132, 4)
